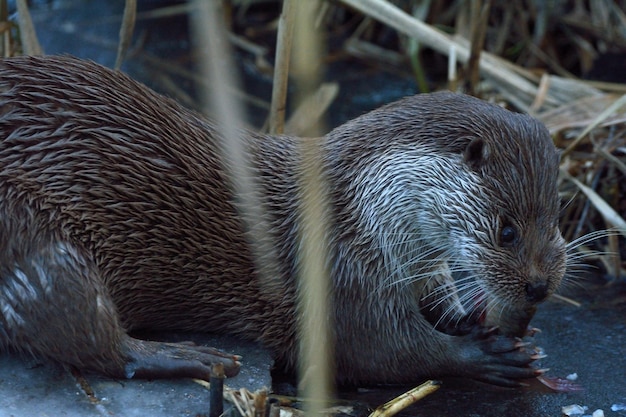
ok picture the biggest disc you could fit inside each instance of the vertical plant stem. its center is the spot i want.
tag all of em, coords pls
(30, 43)
(216, 65)
(281, 67)
(314, 292)
(480, 19)
(126, 31)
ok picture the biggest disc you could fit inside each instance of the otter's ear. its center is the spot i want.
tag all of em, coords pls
(476, 153)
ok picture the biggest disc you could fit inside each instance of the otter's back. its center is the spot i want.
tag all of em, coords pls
(129, 177)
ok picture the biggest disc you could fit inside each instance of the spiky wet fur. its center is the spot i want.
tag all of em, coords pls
(128, 182)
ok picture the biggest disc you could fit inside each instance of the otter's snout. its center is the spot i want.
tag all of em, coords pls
(536, 291)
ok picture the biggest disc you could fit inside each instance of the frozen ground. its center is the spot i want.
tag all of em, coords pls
(32, 389)
(589, 341)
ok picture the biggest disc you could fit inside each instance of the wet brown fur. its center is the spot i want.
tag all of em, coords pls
(114, 216)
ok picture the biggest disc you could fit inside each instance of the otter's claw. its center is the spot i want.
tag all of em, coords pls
(531, 331)
(147, 359)
(505, 361)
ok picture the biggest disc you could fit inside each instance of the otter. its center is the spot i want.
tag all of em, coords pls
(115, 216)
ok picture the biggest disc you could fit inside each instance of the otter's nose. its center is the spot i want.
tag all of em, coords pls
(536, 291)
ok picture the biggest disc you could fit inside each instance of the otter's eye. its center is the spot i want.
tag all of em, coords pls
(508, 235)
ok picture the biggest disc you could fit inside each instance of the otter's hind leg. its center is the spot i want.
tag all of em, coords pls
(54, 305)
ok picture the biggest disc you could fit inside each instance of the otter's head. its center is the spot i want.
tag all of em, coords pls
(512, 248)
(459, 187)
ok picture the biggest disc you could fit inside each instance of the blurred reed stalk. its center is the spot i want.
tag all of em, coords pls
(126, 31)
(215, 64)
(314, 283)
(28, 35)
(313, 292)
(281, 67)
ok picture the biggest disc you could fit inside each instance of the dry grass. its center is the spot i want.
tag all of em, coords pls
(522, 54)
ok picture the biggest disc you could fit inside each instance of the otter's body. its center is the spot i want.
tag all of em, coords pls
(115, 215)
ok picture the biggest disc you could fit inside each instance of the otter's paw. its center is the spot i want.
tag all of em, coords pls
(152, 360)
(504, 361)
